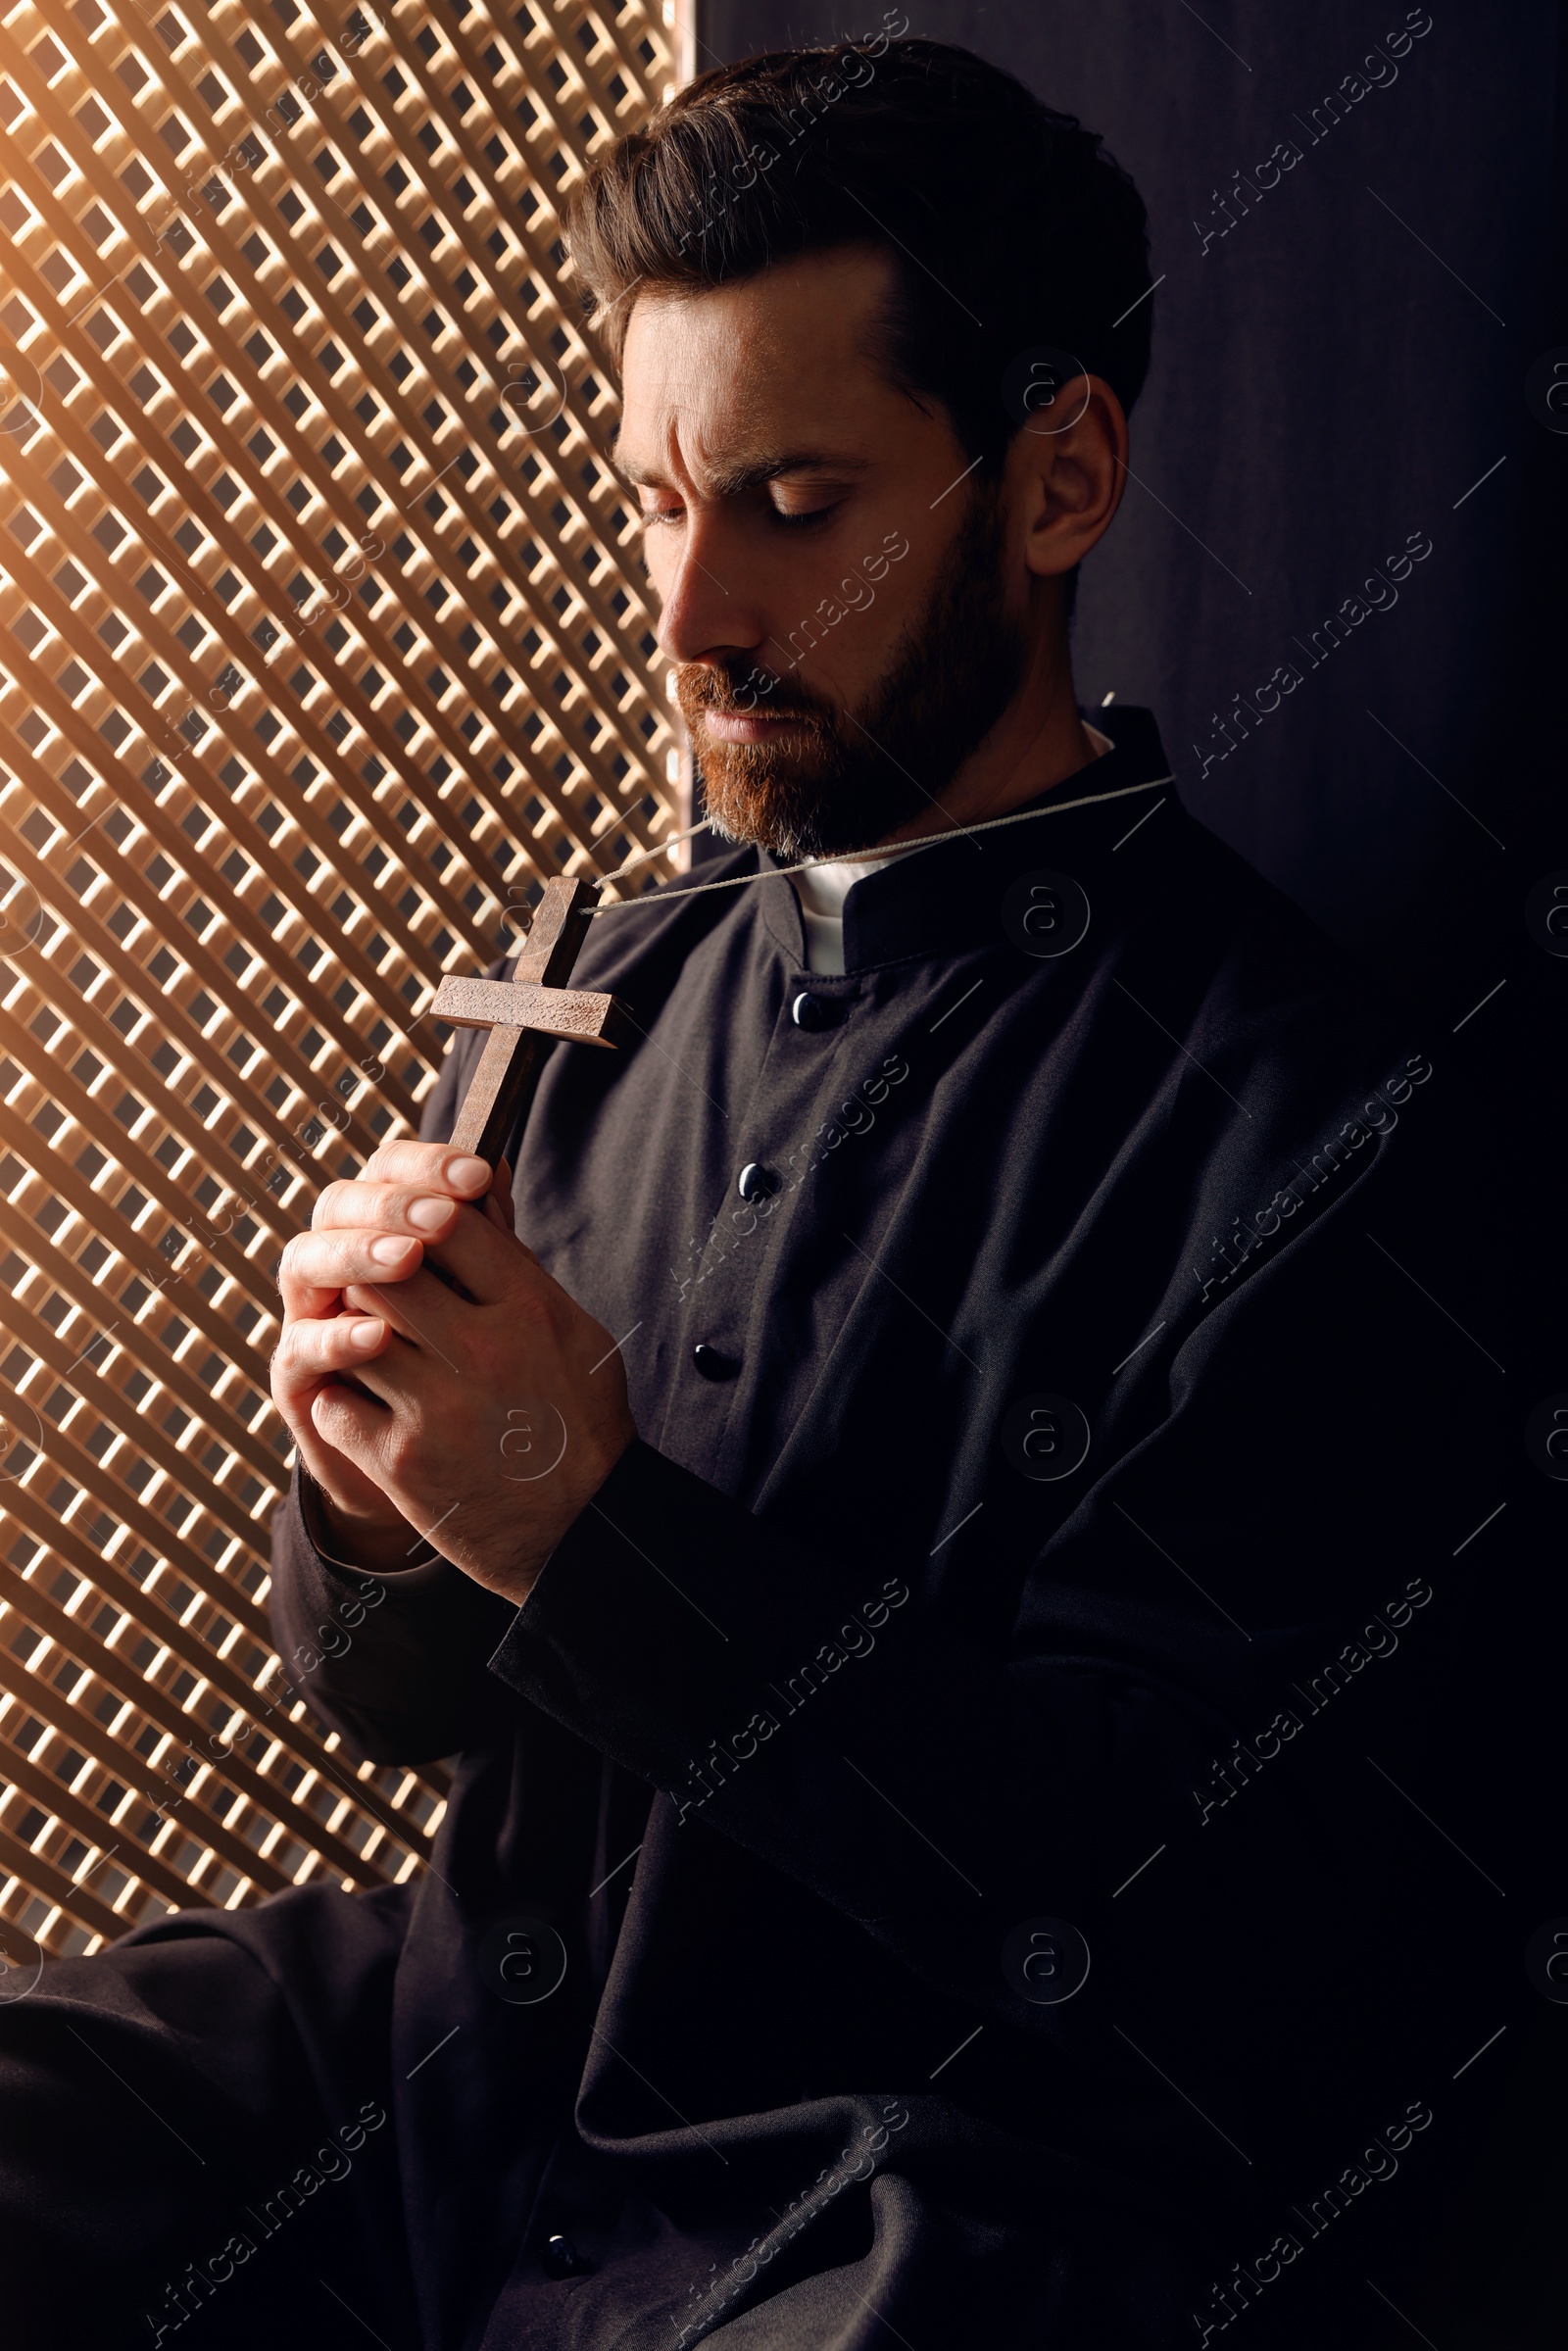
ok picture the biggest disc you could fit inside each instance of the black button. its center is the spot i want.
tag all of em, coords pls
(758, 1183)
(815, 1011)
(712, 1362)
(561, 2258)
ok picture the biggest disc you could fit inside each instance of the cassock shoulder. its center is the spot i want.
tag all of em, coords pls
(654, 934)
(1266, 986)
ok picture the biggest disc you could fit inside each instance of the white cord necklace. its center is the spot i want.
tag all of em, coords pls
(960, 832)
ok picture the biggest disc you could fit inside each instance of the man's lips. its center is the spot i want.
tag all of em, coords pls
(749, 726)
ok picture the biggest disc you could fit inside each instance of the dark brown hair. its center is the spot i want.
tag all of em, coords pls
(1009, 227)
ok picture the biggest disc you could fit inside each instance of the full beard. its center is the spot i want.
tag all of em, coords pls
(849, 778)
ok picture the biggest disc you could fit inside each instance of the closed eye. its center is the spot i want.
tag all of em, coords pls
(792, 519)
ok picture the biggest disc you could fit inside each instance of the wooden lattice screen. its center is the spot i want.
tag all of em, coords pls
(317, 647)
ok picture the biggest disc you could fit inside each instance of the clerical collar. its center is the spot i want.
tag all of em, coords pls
(938, 896)
(823, 889)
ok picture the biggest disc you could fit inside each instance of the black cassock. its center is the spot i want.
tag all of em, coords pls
(864, 1703)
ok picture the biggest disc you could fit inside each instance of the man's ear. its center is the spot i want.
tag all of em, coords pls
(1065, 480)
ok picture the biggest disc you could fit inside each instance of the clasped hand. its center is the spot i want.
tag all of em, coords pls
(477, 1413)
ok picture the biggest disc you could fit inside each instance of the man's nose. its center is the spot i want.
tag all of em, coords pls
(705, 612)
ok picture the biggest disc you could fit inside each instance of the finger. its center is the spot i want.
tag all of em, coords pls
(498, 1205)
(424, 1310)
(310, 1271)
(389, 1207)
(330, 1358)
(431, 1167)
(309, 1352)
(321, 1264)
(303, 1300)
(351, 1423)
(481, 1255)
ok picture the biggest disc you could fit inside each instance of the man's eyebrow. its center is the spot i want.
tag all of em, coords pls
(748, 474)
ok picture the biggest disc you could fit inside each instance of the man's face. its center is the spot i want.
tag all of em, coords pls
(836, 593)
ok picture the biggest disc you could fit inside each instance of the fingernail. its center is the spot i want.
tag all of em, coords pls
(468, 1174)
(389, 1249)
(430, 1215)
(366, 1332)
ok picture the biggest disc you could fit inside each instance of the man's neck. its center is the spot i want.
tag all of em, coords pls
(1037, 743)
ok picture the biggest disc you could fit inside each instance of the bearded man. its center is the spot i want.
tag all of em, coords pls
(926, 1503)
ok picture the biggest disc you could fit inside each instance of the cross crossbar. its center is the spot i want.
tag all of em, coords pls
(526, 1015)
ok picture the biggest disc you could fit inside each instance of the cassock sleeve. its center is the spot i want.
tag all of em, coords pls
(395, 1663)
(859, 1735)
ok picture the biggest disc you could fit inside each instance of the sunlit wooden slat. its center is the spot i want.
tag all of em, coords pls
(320, 651)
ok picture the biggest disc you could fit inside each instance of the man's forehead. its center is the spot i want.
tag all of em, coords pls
(827, 296)
(776, 371)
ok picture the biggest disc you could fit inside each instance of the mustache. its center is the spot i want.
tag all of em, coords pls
(733, 689)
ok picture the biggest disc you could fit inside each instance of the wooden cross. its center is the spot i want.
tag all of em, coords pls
(524, 1016)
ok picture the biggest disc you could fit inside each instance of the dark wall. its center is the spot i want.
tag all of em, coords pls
(1334, 373)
